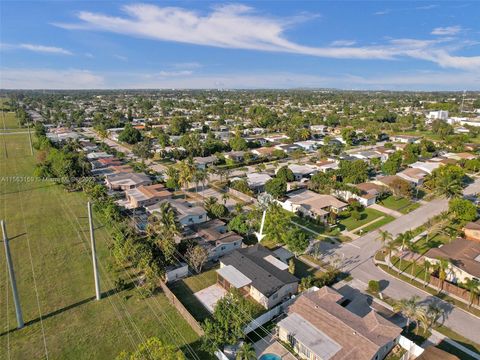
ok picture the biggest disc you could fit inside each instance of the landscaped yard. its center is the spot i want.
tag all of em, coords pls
(48, 228)
(402, 205)
(366, 216)
(185, 288)
(426, 243)
(303, 270)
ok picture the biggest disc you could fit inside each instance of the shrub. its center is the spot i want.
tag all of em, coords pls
(374, 286)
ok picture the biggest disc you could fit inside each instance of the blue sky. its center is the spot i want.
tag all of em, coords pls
(423, 45)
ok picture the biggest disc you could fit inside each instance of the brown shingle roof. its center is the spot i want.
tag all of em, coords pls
(360, 338)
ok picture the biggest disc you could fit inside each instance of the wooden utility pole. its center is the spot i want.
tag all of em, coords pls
(13, 281)
(94, 254)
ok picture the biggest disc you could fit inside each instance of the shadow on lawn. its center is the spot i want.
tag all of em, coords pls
(105, 295)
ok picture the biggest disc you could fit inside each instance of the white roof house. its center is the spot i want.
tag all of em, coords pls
(426, 166)
(257, 181)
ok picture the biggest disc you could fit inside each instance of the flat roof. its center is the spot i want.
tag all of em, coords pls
(313, 338)
(233, 276)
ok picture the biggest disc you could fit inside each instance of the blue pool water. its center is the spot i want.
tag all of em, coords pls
(269, 357)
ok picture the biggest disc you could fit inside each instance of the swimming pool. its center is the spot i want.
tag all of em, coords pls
(270, 357)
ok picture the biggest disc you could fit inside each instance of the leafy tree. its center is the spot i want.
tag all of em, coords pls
(374, 286)
(410, 308)
(285, 174)
(401, 188)
(276, 187)
(239, 224)
(349, 136)
(353, 171)
(393, 164)
(296, 240)
(173, 178)
(153, 349)
(242, 186)
(237, 143)
(463, 209)
(447, 180)
(142, 149)
(231, 314)
(130, 135)
(178, 125)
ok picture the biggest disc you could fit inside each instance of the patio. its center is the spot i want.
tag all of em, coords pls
(210, 295)
(268, 345)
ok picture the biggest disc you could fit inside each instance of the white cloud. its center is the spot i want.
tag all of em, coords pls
(343, 43)
(120, 57)
(38, 48)
(448, 30)
(240, 27)
(187, 65)
(50, 79)
(164, 73)
(82, 79)
(382, 12)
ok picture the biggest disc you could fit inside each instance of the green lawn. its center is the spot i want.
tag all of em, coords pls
(184, 290)
(425, 244)
(385, 220)
(50, 250)
(8, 120)
(367, 215)
(303, 270)
(402, 205)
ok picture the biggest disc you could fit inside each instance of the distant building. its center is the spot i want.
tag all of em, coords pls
(405, 139)
(438, 115)
(146, 195)
(257, 181)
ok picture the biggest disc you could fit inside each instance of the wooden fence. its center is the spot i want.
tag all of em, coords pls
(182, 309)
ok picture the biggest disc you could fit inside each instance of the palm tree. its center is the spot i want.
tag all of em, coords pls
(186, 171)
(427, 265)
(442, 267)
(390, 246)
(403, 239)
(201, 176)
(384, 237)
(163, 227)
(246, 352)
(473, 286)
(449, 188)
(430, 316)
(410, 308)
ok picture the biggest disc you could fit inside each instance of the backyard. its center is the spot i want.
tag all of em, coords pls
(48, 228)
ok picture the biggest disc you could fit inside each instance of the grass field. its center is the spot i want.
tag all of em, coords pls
(9, 121)
(49, 236)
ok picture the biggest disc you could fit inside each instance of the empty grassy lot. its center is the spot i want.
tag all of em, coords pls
(48, 228)
(9, 121)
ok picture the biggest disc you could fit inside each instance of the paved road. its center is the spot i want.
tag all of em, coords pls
(357, 259)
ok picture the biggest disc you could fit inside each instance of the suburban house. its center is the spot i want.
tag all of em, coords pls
(146, 195)
(301, 171)
(263, 151)
(257, 273)
(414, 176)
(204, 162)
(367, 155)
(187, 213)
(472, 231)
(320, 129)
(308, 145)
(405, 139)
(98, 155)
(313, 205)
(125, 181)
(368, 193)
(287, 148)
(214, 236)
(236, 156)
(327, 165)
(426, 166)
(257, 181)
(464, 258)
(321, 325)
(460, 156)
(105, 162)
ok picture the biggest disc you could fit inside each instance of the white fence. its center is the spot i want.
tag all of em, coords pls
(413, 350)
(266, 317)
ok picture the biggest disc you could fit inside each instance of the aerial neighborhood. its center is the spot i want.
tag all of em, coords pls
(294, 224)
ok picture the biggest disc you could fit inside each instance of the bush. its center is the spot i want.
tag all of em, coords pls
(374, 286)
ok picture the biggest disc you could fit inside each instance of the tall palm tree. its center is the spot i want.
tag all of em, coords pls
(473, 286)
(430, 316)
(390, 247)
(246, 352)
(403, 239)
(442, 267)
(200, 176)
(186, 171)
(410, 308)
(427, 265)
(384, 237)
